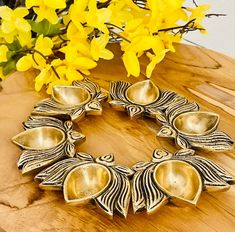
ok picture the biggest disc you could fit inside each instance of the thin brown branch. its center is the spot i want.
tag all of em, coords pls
(189, 26)
(194, 2)
(216, 15)
(120, 36)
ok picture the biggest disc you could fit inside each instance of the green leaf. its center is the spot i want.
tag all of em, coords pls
(15, 46)
(9, 67)
(45, 27)
(10, 54)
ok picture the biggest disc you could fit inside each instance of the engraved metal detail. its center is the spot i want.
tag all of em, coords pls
(107, 185)
(190, 127)
(181, 176)
(83, 97)
(45, 141)
(139, 99)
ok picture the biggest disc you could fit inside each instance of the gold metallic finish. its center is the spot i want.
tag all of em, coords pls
(39, 138)
(86, 182)
(70, 95)
(180, 177)
(190, 127)
(142, 93)
(140, 99)
(85, 179)
(84, 97)
(45, 141)
(196, 123)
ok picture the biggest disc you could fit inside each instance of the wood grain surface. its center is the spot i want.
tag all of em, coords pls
(199, 74)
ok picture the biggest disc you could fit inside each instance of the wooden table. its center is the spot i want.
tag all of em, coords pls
(199, 74)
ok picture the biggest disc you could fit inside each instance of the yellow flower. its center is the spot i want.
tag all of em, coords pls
(169, 40)
(120, 14)
(131, 63)
(46, 9)
(72, 74)
(42, 78)
(87, 26)
(155, 59)
(3, 53)
(198, 13)
(13, 24)
(76, 59)
(97, 17)
(43, 48)
(98, 49)
(75, 33)
(77, 12)
(44, 45)
(1, 74)
(47, 75)
(24, 63)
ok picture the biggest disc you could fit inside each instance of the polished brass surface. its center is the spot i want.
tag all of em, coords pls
(45, 141)
(85, 179)
(196, 123)
(39, 138)
(179, 179)
(192, 128)
(143, 93)
(180, 176)
(86, 182)
(180, 119)
(70, 95)
(83, 97)
(49, 146)
(140, 99)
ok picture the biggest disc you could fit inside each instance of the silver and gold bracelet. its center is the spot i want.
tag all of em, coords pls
(49, 141)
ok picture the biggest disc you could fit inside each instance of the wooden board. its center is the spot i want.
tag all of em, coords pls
(199, 74)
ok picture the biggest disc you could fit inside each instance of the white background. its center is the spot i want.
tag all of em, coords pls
(221, 31)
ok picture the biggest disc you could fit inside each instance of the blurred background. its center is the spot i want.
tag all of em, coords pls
(221, 30)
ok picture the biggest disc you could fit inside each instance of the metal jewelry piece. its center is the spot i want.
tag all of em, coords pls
(190, 127)
(179, 177)
(83, 97)
(85, 179)
(141, 98)
(45, 141)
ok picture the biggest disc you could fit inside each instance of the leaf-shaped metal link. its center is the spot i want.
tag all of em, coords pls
(102, 96)
(123, 199)
(140, 165)
(135, 111)
(183, 142)
(166, 98)
(185, 152)
(106, 201)
(39, 121)
(161, 155)
(167, 131)
(155, 198)
(89, 85)
(213, 175)
(124, 170)
(138, 198)
(93, 106)
(215, 141)
(53, 177)
(118, 89)
(84, 156)
(31, 160)
(106, 160)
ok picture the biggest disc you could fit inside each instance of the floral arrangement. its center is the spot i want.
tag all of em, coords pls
(64, 39)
